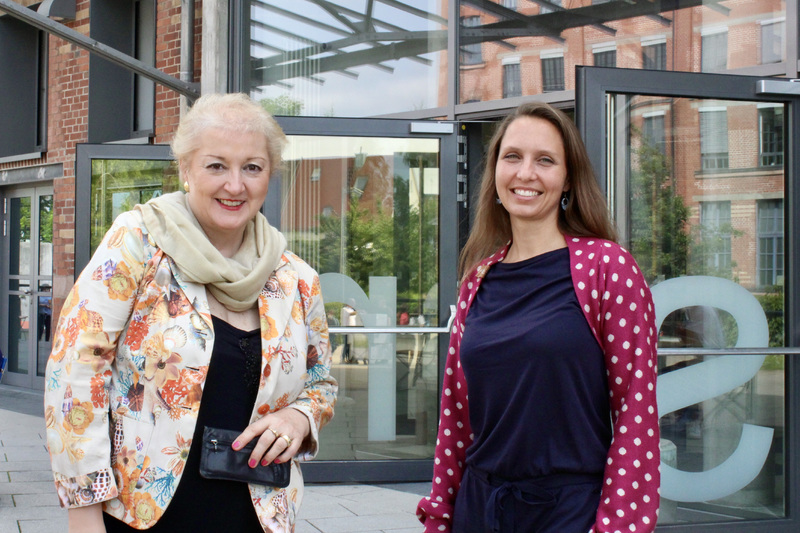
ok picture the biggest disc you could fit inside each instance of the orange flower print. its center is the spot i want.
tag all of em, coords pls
(126, 459)
(145, 510)
(121, 284)
(162, 369)
(160, 364)
(79, 417)
(181, 453)
(268, 328)
(99, 350)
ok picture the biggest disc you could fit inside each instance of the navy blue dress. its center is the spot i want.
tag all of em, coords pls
(229, 393)
(538, 404)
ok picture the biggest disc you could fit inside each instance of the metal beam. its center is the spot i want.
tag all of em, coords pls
(190, 90)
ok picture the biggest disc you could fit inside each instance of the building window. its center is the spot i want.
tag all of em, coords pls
(653, 132)
(471, 53)
(510, 4)
(770, 127)
(512, 82)
(606, 58)
(23, 99)
(121, 103)
(713, 139)
(714, 52)
(654, 56)
(715, 221)
(770, 243)
(772, 41)
(553, 74)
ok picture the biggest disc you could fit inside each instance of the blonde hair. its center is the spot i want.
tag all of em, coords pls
(235, 111)
(586, 214)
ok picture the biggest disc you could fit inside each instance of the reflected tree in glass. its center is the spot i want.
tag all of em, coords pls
(120, 184)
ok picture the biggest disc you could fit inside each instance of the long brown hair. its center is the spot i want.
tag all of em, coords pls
(586, 214)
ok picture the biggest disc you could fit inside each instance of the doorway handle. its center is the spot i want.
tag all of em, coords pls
(27, 292)
(397, 330)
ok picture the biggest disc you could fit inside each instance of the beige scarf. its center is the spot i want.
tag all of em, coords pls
(236, 281)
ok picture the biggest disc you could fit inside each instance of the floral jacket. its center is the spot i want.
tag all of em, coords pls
(619, 309)
(125, 378)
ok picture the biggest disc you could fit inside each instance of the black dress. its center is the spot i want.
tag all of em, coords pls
(538, 408)
(229, 394)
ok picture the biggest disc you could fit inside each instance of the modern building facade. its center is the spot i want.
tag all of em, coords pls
(689, 112)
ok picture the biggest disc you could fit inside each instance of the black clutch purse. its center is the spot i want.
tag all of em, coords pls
(219, 461)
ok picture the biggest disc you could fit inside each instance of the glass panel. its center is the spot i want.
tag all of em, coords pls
(46, 235)
(696, 37)
(19, 231)
(706, 227)
(19, 323)
(119, 184)
(44, 323)
(44, 312)
(364, 212)
(715, 432)
(347, 59)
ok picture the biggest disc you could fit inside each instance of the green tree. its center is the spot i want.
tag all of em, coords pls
(120, 184)
(283, 105)
(659, 236)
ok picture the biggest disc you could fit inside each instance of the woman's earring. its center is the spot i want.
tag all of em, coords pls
(564, 201)
(498, 201)
(186, 186)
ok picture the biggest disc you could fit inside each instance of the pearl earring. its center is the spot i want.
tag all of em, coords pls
(186, 186)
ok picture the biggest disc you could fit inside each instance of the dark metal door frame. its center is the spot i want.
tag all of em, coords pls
(593, 87)
(412, 469)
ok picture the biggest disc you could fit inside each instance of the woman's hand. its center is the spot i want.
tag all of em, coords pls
(88, 519)
(280, 436)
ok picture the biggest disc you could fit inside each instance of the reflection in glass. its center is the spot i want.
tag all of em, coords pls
(704, 435)
(44, 323)
(46, 235)
(364, 212)
(686, 207)
(696, 37)
(44, 313)
(351, 59)
(19, 231)
(374, 58)
(19, 323)
(119, 184)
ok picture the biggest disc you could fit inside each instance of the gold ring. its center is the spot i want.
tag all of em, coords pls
(277, 435)
(288, 440)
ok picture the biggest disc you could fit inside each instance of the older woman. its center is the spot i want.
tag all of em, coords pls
(191, 314)
(548, 421)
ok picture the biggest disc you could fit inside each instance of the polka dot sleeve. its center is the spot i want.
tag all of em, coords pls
(455, 435)
(618, 306)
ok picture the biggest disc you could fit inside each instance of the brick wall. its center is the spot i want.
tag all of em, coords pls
(67, 122)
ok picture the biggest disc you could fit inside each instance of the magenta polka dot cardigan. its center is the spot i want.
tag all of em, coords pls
(618, 306)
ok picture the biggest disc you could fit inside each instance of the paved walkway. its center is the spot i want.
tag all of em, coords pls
(28, 503)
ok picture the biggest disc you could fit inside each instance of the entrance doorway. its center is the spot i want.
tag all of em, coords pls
(27, 284)
(701, 179)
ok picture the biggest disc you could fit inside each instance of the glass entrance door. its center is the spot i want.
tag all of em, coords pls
(27, 284)
(371, 205)
(699, 173)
